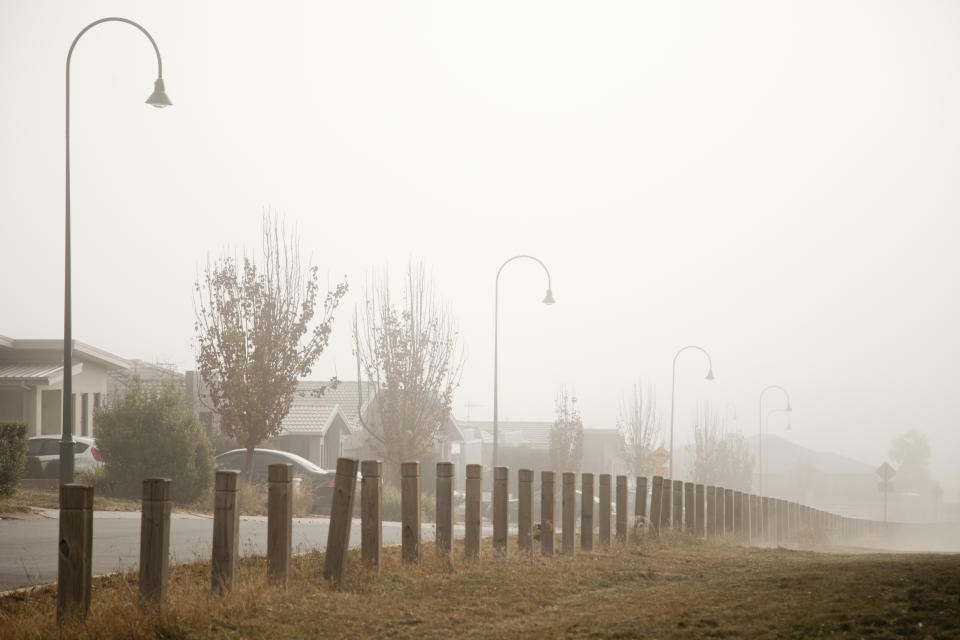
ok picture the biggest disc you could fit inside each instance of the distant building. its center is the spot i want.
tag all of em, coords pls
(31, 383)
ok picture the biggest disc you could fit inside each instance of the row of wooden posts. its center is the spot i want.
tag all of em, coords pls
(703, 511)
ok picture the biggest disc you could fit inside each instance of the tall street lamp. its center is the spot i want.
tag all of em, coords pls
(766, 426)
(547, 299)
(158, 99)
(760, 439)
(673, 387)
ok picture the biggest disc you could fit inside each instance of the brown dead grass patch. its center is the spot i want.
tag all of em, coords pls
(675, 587)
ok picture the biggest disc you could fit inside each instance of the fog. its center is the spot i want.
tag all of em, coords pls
(775, 182)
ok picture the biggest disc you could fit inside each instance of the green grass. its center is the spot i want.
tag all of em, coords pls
(675, 589)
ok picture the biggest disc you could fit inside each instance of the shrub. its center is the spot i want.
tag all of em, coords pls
(13, 455)
(149, 432)
(392, 508)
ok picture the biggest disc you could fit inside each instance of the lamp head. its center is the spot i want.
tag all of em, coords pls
(548, 299)
(710, 374)
(789, 408)
(159, 97)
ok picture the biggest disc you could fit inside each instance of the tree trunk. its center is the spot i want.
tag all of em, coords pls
(248, 465)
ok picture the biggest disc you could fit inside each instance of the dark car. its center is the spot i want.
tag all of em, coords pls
(320, 481)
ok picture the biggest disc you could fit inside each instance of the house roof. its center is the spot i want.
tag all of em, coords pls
(345, 396)
(310, 417)
(515, 433)
(45, 350)
(35, 373)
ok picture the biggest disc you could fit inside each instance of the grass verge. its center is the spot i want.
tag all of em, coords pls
(676, 588)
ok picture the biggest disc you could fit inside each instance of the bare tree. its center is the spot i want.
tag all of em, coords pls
(255, 335)
(639, 427)
(566, 434)
(411, 356)
(720, 457)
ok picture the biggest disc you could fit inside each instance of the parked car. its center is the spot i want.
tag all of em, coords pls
(43, 456)
(319, 480)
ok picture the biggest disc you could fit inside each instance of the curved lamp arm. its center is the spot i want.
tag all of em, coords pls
(548, 299)
(673, 386)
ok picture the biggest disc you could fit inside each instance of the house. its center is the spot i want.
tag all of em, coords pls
(31, 383)
(324, 422)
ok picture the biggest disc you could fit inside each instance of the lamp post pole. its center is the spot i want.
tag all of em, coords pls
(766, 425)
(673, 387)
(548, 300)
(158, 99)
(760, 429)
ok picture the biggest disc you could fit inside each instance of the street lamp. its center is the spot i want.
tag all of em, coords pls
(766, 425)
(760, 428)
(158, 99)
(547, 299)
(673, 386)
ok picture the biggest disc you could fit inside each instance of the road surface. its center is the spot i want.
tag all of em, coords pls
(28, 545)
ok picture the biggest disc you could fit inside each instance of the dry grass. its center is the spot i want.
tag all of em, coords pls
(673, 588)
(23, 499)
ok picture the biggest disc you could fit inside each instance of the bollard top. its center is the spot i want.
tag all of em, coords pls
(156, 489)
(525, 475)
(347, 467)
(371, 468)
(569, 477)
(546, 476)
(678, 483)
(621, 478)
(605, 478)
(586, 477)
(444, 469)
(474, 471)
(687, 484)
(410, 469)
(280, 472)
(76, 496)
(226, 480)
(501, 473)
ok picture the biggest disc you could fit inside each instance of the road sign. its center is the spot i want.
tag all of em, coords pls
(886, 472)
(660, 456)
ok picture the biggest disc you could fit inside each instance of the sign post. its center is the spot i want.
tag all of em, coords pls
(886, 473)
(660, 457)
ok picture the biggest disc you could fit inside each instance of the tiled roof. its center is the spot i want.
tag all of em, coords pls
(29, 372)
(345, 396)
(532, 434)
(308, 416)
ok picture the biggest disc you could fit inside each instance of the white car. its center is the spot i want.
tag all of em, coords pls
(46, 449)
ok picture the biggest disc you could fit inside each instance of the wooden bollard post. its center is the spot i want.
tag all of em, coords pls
(444, 507)
(699, 515)
(155, 540)
(74, 567)
(547, 503)
(689, 517)
(728, 511)
(569, 506)
(767, 523)
(640, 506)
(656, 503)
(666, 503)
(738, 514)
(341, 516)
(623, 494)
(473, 508)
(604, 510)
(279, 521)
(410, 510)
(677, 505)
(586, 511)
(525, 510)
(711, 496)
(501, 488)
(226, 532)
(754, 518)
(371, 513)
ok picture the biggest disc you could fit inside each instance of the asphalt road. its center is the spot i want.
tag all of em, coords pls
(28, 546)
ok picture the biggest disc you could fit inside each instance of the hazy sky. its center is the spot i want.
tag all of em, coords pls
(777, 182)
